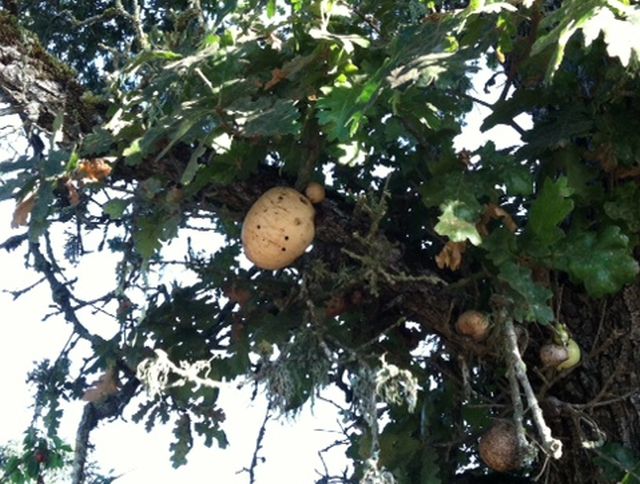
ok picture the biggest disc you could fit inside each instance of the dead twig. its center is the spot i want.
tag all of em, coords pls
(551, 445)
(256, 459)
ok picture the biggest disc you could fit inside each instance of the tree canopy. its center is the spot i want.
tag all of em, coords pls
(448, 294)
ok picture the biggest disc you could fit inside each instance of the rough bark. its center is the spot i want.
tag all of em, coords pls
(38, 87)
(604, 390)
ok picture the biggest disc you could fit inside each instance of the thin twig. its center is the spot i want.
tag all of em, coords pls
(603, 313)
(61, 295)
(17, 293)
(511, 123)
(610, 401)
(103, 17)
(255, 458)
(136, 21)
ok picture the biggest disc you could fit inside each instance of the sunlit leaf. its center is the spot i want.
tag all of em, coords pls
(458, 223)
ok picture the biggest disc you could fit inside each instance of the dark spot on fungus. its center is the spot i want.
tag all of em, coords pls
(258, 227)
(303, 200)
(284, 249)
(286, 237)
(297, 221)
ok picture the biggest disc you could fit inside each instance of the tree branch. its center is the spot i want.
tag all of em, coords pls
(38, 86)
(255, 458)
(92, 414)
(87, 424)
(61, 295)
(511, 123)
(551, 445)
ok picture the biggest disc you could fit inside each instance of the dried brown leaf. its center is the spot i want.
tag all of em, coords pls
(451, 255)
(22, 211)
(494, 212)
(94, 170)
(72, 194)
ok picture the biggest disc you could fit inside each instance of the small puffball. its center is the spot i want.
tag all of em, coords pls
(315, 192)
(499, 448)
(473, 324)
(553, 355)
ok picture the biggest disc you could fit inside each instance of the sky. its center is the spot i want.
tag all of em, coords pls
(291, 444)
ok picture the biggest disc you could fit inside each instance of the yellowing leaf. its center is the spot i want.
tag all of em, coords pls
(277, 75)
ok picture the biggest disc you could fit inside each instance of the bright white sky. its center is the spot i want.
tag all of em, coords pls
(290, 446)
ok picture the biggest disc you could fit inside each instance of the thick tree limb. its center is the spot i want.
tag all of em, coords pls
(92, 414)
(38, 86)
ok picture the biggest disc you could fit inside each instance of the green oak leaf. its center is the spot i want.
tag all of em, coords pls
(505, 169)
(602, 261)
(618, 463)
(530, 300)
(550, 208)
(430, 467)
(151, 232)
(625, 206)
(133, 153)
(97, 143)
(266, 116)
(115, 207)
(458, 223)
(341, 109)
(183, 443)
(501, 245)
(462, 186)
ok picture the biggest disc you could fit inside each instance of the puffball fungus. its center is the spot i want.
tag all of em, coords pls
(553, 355)
(315, 192)
(499, 447)
(278, 228)
(473, 324)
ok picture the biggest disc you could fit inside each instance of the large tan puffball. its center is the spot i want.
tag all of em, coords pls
(278, 228)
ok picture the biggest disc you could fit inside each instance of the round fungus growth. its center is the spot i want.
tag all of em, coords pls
(278, 228)
(315, 192)
(473, 324)
(553, 355)
(499, 447)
